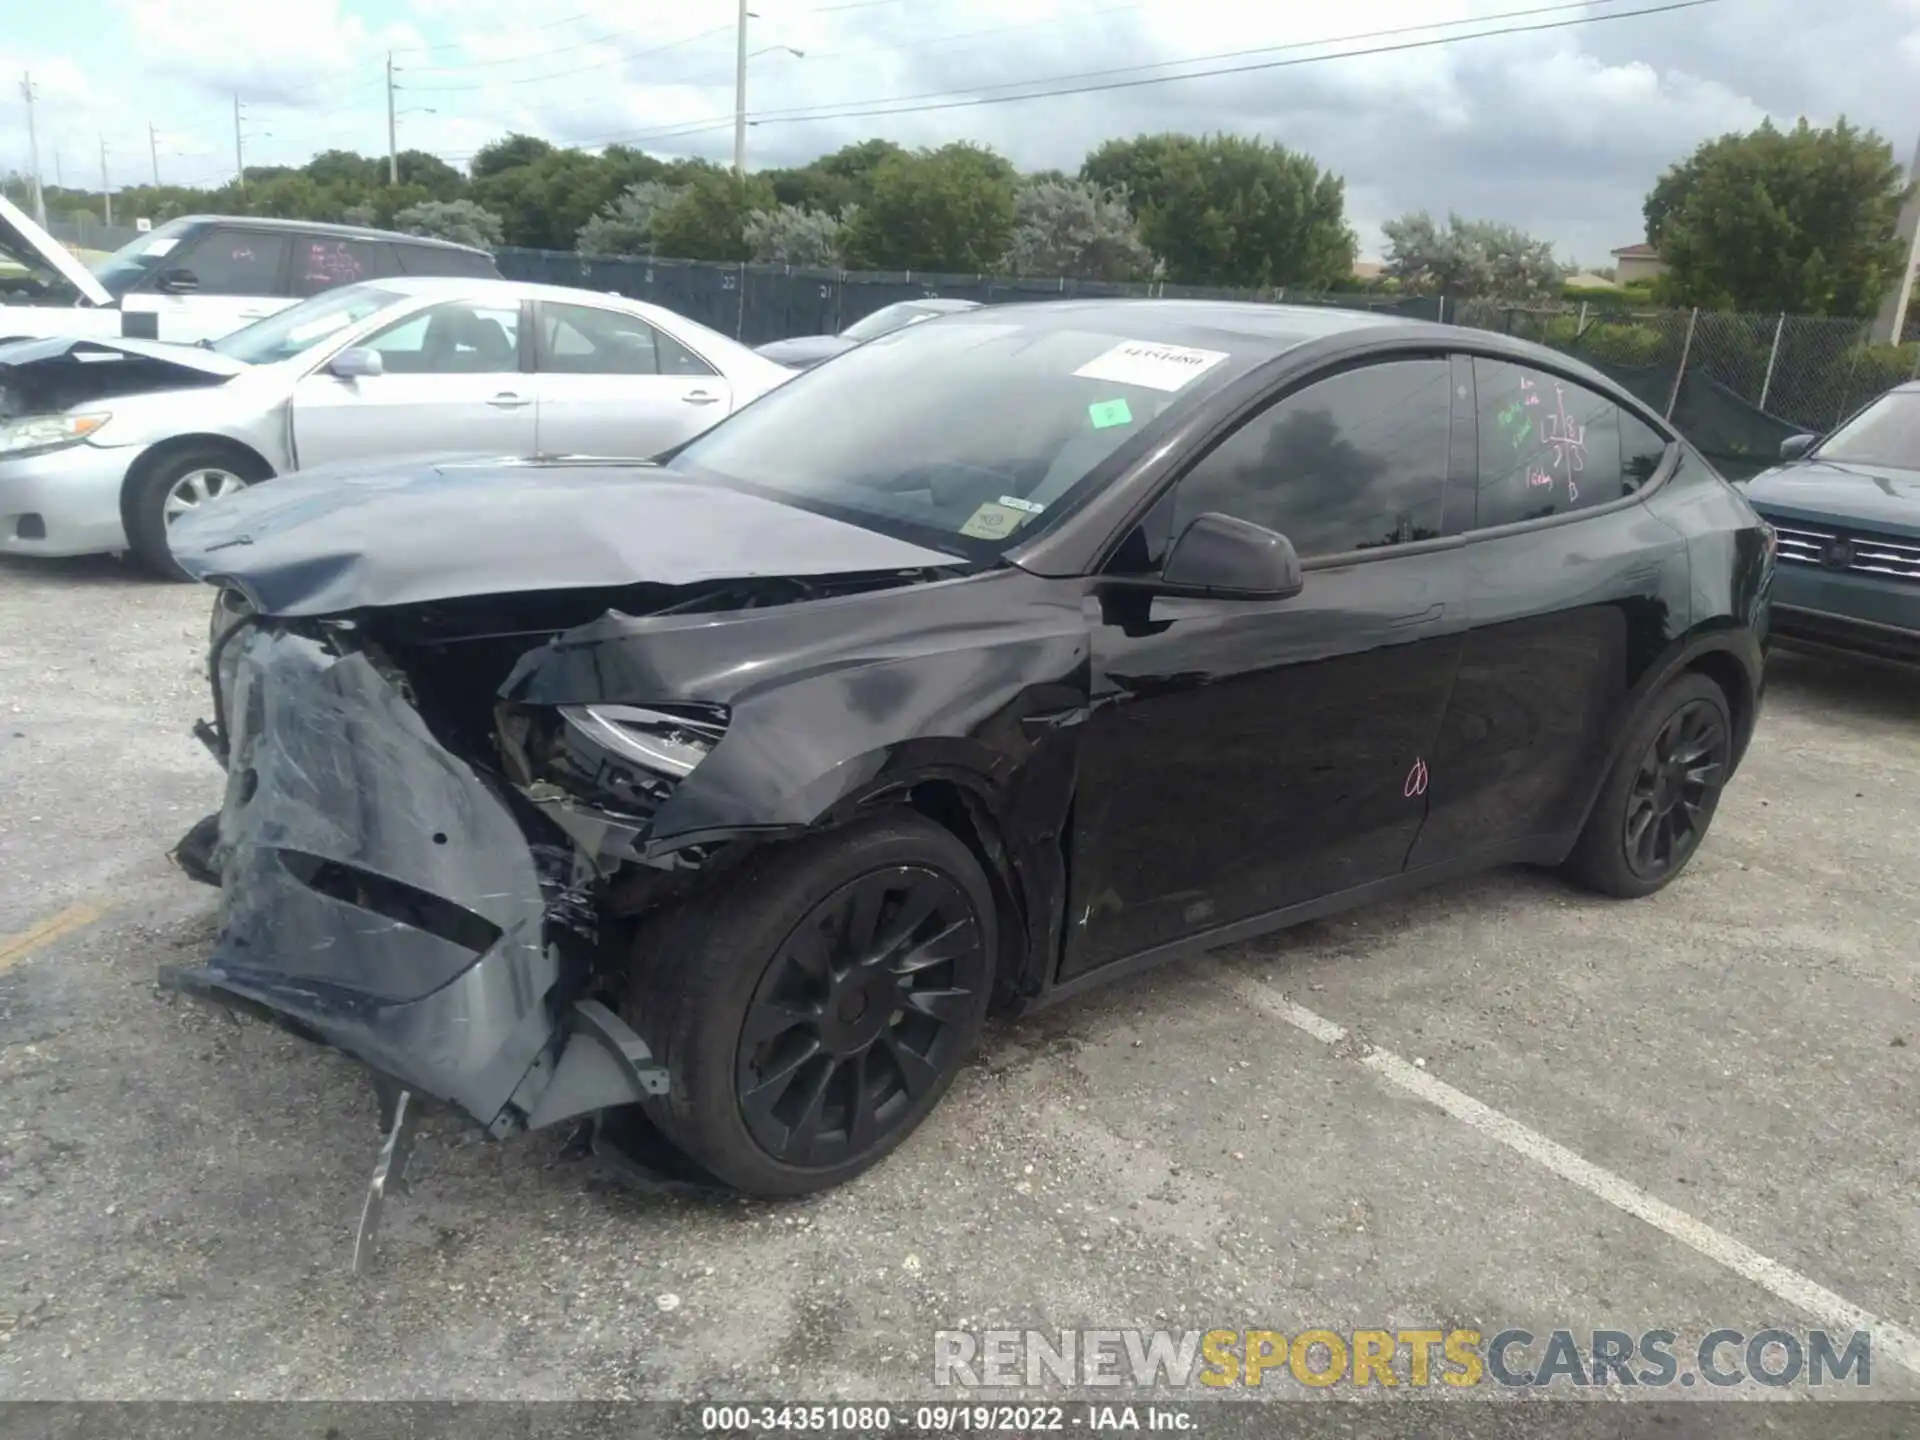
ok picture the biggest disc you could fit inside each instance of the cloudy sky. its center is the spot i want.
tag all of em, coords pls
(1558, 130)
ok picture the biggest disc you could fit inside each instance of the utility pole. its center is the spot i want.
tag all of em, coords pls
(1891, 323)
(239, 162)
(393, 146)
(33, 150)
(153, 148)
(105, 193)
(740, 96)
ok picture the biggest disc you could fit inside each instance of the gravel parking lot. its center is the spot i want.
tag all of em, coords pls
(1202, 1148)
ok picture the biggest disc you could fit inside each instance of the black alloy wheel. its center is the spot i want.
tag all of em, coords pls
(862, 1011)
(813, 1004)
(1675, 789)
(1655, 805)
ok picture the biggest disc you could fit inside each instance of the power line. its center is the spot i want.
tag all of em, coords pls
(577, 70)
(896, 105)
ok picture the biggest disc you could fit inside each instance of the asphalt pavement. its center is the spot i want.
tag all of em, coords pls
(1501, 1103)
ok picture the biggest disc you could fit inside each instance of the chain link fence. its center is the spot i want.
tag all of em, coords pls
(1734, 384)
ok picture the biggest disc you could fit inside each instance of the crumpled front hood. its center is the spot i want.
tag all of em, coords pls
(195, 360)
(323, 542)
(1872, 497)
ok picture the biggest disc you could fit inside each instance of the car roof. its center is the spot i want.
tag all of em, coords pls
(484, 285)
(1267, 330)
(322, 227)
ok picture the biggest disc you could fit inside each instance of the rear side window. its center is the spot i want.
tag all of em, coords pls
(585, 340)
(235, 262)
(1352, 462)
(321, 262)
(432, 260)
(1549, 446)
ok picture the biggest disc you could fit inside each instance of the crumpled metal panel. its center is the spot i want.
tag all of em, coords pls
(361, 864)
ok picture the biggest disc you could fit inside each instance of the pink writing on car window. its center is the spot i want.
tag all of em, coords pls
(1566, 438)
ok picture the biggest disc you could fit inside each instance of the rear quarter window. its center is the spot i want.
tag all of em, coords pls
(430, 260)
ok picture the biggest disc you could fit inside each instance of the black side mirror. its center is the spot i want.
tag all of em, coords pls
(178, 281)
(1795, 447)
(1232, 559)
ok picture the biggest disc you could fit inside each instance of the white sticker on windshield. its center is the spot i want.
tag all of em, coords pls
(161, 246)
(1158, 367)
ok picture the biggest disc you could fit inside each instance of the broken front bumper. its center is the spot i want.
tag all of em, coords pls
(380, 896)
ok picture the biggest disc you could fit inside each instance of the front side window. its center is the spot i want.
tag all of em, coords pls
(459, 338)
(586, 340)
(300, 327)
(1549, 446)
(1352, 462)
(1887, 432)
(234, 262)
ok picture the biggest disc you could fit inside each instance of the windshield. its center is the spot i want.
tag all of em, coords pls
(304, 325)
(1887, 432)
(139, 257)
(964, 437)
(892, 318)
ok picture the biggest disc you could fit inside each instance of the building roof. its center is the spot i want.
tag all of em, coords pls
(1638, 252)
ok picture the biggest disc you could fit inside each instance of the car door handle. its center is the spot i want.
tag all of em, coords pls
(507, 400)
(700, 397)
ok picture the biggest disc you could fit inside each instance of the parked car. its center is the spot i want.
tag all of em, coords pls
(803, 352)
(104, 444)
(201, 276)
(1847, 511)
(719, 798)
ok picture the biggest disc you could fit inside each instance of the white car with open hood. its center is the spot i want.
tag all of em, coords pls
(105, 442)
(199, 277)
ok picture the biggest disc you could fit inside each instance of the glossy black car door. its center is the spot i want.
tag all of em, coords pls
(1244, 756)
(1573, 589)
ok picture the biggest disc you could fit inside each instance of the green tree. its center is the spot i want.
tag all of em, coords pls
(1470, 258)
(1228, 210)
(508, 153)
(461, 221)
(1075, 228)
(1801, 220)
(948, 210)
(624, 225)
(544, 203)
(834, 183)
(789, 235)
(432, 174)
(707, 220)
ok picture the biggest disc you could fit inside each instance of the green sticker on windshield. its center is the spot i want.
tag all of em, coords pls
(1104, 413)
(993, 522)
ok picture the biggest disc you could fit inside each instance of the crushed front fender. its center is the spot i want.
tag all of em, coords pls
(378, 893)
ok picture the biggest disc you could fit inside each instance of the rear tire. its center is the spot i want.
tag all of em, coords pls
(1660, 797)
(813, 1011)
(180, 481)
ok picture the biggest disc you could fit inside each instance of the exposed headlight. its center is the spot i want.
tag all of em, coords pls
(671, 744)
(624, 758)
(48, 432)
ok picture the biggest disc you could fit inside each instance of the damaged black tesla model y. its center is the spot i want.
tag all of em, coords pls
(718, 799)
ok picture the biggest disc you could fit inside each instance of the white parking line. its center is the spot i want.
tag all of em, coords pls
(1895, 1342)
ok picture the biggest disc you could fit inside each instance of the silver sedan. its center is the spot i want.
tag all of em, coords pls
(104, 442)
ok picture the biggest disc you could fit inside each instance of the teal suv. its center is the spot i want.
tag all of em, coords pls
(1846, 510)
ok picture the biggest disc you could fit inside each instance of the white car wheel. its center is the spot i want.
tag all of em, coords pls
(200, 487)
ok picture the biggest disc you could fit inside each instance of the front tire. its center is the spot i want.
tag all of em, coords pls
(1660, 797)
(175, 485)
(813, 1011)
